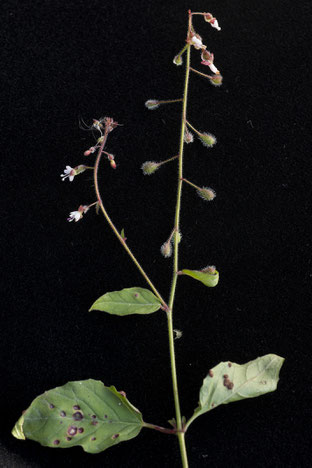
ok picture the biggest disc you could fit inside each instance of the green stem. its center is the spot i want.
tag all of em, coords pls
(191, 183)
(111, 224)
(193, 128)
(180, 429)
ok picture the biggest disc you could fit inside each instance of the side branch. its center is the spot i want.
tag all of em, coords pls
(113, 227)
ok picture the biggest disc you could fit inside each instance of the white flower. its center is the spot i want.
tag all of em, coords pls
(214, 23)
(213, 68)
(74, 216)
(207, 59)
(197, 42)
(69, 172)
(77, 215)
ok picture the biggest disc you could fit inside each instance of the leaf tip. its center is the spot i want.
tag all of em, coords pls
(17, 430)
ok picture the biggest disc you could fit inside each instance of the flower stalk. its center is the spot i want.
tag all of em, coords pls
(110, 222)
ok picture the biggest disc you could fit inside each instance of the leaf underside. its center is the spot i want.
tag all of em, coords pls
(127, 302)
(208, 279)
(228, 382)
(85, 413)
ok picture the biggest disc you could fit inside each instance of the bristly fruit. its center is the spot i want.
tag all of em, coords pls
(152, 104)
(149, 167)
(207, 139)
(178, 60)
(206, 193)
(166, 249)
(216, 80)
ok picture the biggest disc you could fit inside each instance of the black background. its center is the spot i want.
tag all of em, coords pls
(64, 61)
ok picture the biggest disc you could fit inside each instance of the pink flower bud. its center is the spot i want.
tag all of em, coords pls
(113, 164)
(87, 153)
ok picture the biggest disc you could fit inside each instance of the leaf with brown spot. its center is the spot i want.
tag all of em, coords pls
(105, 417)
(227, 383)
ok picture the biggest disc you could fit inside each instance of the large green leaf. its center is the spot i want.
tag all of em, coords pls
(228, 382)
(127, 301)
(208, 278)
(82, 413)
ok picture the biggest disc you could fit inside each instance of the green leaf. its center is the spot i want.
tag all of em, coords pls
(228, 382)
(207, 278)
(82, 413)
(127, 301)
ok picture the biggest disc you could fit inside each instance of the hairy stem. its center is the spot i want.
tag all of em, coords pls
(169, 101)
(113, 227)
(193, 128)
(180, 430)
(200, 73)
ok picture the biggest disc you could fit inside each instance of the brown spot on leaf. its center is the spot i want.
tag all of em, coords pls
(230, 364)
(115, 436)
(226, 376)
(77, 416)
(81, 430)
(68, 438)
(72, 430)
(93, 438)
(63, 414)
(56, 442)
(210, 373)
(51, 406)
(76, 407)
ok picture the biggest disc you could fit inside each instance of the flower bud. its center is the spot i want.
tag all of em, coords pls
(87, 153)
(207, 139)
(206, 193)
(152, 104)
(149, 167)
(178, 60)
(113, 164)
(166, 249)
(216, 80)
